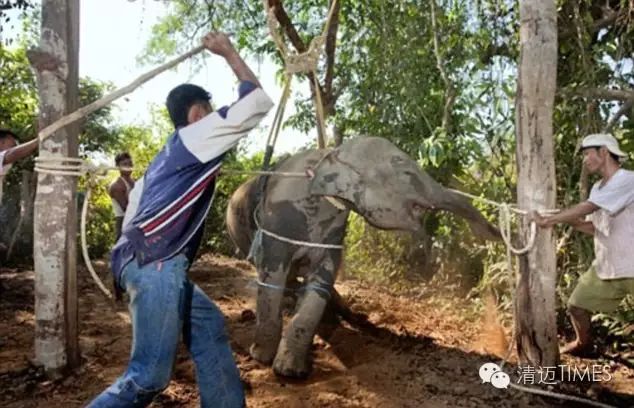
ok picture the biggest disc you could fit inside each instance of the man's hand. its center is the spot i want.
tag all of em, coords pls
(21, 151)
(541, 221)
(569, 216)
(219, 44)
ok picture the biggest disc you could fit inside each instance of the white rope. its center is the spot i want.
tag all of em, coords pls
(107, 99)
(504, 221)
(289, 240)
(76, 167)
(84, 247)
(266, 173)
(557, 395)
(305, 62)
(505, 230)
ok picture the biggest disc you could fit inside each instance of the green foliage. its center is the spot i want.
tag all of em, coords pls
(18, 101)
(375, 255)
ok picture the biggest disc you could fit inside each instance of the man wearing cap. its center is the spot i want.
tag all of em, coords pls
(610, 219)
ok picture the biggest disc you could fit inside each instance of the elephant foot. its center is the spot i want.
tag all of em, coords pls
(291, 364)
(264, 355)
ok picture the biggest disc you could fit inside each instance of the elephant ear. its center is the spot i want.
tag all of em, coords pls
(332, 177)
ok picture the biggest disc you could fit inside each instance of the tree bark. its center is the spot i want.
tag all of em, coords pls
(56, 66)
(535, 298)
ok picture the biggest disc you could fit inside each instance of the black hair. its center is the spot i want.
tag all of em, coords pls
(121, 157)
(183, 97)
(615, 157)
(6, 133)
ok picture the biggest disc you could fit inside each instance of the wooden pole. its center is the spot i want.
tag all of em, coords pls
(55, 64)
(535, 321)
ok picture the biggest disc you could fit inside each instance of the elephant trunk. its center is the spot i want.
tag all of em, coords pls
(461, 206)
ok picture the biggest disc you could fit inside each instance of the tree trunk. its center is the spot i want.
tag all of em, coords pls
(535, 297)
(56, 66)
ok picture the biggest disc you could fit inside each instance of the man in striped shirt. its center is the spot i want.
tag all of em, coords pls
(162, 230)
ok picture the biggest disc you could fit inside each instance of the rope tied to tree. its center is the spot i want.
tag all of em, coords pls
(298, 63)
(76, 167)
(505, 211)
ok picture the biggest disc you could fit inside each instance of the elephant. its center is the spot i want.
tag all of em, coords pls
(367, 175)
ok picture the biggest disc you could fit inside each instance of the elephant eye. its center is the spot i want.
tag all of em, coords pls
(396, 160)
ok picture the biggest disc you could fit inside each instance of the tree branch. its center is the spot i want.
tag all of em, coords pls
(449, 90)
(288, 27)
(17, 4)
(610, 17)
(331, 44)
(603, 93)
(625, 108)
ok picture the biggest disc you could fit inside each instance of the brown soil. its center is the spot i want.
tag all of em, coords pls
(424, 351)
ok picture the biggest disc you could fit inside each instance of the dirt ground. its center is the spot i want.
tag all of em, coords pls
(425, 352)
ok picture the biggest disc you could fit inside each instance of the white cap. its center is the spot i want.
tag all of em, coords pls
(603, 139)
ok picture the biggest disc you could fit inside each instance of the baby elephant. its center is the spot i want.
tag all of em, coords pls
(367, 175)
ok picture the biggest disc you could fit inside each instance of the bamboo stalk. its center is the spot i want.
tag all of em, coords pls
(106, 100)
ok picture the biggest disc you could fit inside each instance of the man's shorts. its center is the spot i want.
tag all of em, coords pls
(600, 295)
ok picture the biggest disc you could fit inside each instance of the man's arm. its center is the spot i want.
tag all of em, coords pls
(20, 152)
(119, 193)
(570, 215)
(587, 227)
(219, 44)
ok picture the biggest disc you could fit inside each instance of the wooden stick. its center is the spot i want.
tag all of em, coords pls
(100, 103)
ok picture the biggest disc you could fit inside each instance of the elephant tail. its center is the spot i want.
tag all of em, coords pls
(239, 217)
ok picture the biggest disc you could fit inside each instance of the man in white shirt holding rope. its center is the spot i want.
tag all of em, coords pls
(610, 219)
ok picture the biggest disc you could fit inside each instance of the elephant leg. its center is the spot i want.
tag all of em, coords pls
(329, 321)
(268, 329)
(293, 354)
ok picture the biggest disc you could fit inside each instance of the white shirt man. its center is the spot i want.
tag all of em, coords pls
(608, 215)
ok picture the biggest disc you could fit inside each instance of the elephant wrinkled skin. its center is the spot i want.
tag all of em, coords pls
(367, 175)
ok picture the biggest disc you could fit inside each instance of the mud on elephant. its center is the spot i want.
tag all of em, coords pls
(367, 175)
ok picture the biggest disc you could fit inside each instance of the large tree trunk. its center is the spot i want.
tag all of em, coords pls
(535, 302)
(56, 66)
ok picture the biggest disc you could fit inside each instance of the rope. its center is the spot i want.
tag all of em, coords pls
(266, 173)
(557, 395)
(84, 244)
(290, 240)
(277, 124)
(76, 167)
(504, 221)
(505, 230)
(107, 99)
(304, 288)
(295, 63)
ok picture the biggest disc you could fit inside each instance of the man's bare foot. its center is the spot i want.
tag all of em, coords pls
(577, 348)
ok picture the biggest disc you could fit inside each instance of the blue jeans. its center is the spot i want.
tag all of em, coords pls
(164, 304)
